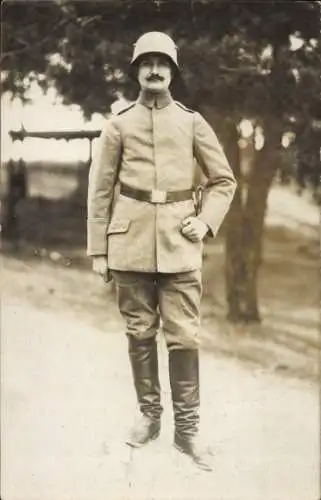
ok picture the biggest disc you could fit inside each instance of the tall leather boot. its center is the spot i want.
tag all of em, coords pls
(144, 362)
(184, 381)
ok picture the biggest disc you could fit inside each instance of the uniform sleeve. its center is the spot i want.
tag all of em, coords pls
(221, 184)
(102, 178)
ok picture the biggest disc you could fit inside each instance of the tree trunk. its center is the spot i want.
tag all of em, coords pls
(234, 266)
(245, 225)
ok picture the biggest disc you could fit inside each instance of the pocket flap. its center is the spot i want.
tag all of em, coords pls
(118, 226)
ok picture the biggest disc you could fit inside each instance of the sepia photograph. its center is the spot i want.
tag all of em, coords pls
(160, 250)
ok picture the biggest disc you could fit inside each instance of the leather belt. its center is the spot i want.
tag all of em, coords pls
(155, 195)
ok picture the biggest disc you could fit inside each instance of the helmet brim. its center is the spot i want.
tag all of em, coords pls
(133, 68)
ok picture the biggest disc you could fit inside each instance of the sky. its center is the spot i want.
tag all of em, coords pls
(45, 112)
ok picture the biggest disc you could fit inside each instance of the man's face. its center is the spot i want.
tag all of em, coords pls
(154, 73)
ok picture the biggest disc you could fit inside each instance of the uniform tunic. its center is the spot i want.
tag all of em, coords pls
(154, 145)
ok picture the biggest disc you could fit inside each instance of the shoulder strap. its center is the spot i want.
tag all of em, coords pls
(127, 108)
(184, 107)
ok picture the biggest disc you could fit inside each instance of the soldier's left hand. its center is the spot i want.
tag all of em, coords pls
(193, 229)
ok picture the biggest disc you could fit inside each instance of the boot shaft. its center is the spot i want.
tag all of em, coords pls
(184, 382)
(144, 362)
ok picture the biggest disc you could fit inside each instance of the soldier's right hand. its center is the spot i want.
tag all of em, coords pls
(100, 266)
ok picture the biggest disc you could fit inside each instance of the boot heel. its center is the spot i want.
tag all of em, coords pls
(155, 435)
(190, 448)
(179, 448)
(146, 430)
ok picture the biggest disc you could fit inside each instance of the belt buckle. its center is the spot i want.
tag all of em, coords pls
(158, 196)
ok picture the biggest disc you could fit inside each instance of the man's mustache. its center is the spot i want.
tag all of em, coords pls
(152, 78)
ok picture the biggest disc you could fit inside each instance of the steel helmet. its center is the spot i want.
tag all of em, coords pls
(155, 41)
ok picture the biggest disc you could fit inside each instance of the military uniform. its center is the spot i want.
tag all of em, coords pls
(141, 186)
(156, 146)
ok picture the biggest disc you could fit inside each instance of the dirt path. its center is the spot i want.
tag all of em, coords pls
(68, 400)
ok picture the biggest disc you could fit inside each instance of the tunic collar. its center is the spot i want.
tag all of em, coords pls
(155, 100)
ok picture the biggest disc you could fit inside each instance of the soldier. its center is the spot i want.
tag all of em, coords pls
(144, 232)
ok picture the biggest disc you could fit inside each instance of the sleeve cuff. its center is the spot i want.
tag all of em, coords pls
(210, 232)
(97, 237)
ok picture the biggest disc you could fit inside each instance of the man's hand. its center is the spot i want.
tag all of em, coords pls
(193, 229)
(100, 267)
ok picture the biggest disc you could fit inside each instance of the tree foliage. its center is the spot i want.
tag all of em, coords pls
(84, 49)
